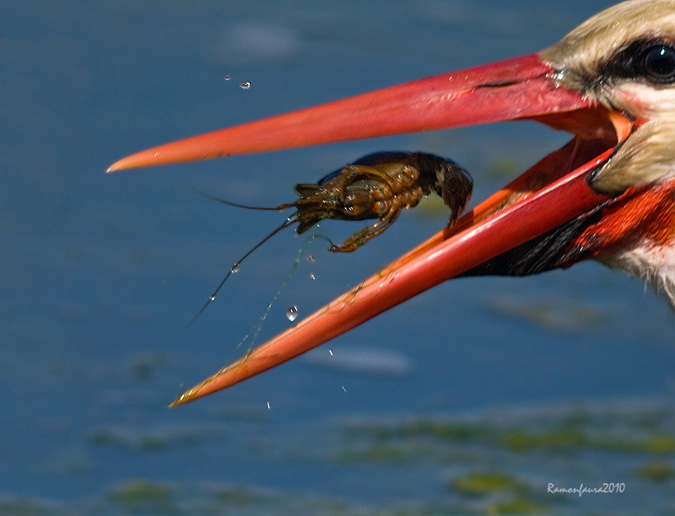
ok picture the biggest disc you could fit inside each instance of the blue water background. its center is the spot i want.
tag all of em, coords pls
(99, 274)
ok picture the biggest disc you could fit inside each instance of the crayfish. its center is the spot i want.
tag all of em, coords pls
(376, 186)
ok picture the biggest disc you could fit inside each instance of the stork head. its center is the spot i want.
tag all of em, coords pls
(624, 59)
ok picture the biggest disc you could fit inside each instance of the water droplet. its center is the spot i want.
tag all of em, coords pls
(245, 85)
(227, 77)
(292, 313)
(235, 268)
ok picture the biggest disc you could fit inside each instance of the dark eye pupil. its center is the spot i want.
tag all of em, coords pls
(659, 63)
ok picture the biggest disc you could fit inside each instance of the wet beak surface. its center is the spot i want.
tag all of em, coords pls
(518, 88)
(522, 88)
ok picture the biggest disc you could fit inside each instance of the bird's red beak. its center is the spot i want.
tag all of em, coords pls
(552, 192)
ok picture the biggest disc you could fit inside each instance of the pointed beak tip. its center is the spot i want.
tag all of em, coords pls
(146, 158)
(180, 400)
(117, 166)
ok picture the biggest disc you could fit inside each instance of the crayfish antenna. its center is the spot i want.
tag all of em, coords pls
(235, 267)
(280, 207)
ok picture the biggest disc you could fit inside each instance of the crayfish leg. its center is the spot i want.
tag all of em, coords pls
(361, 237)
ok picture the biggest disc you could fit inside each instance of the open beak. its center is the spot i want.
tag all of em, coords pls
(553, 192)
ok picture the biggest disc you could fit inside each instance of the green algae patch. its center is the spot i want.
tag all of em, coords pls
(24, 507)
(500, 493)
(660, 444)
(410, 441)
(143, 496)
(562, 432)
(479, 484)
(382, 452)
(517, 506)
(129, 441)
(657, 471)
(153, 440)
(558, 439)
(423, 428)
(241, 497)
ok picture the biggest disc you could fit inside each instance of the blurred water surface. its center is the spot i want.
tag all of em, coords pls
(518, 380)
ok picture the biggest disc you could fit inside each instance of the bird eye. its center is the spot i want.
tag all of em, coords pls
(658, 63)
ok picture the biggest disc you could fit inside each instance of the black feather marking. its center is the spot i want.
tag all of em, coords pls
(549, 251)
